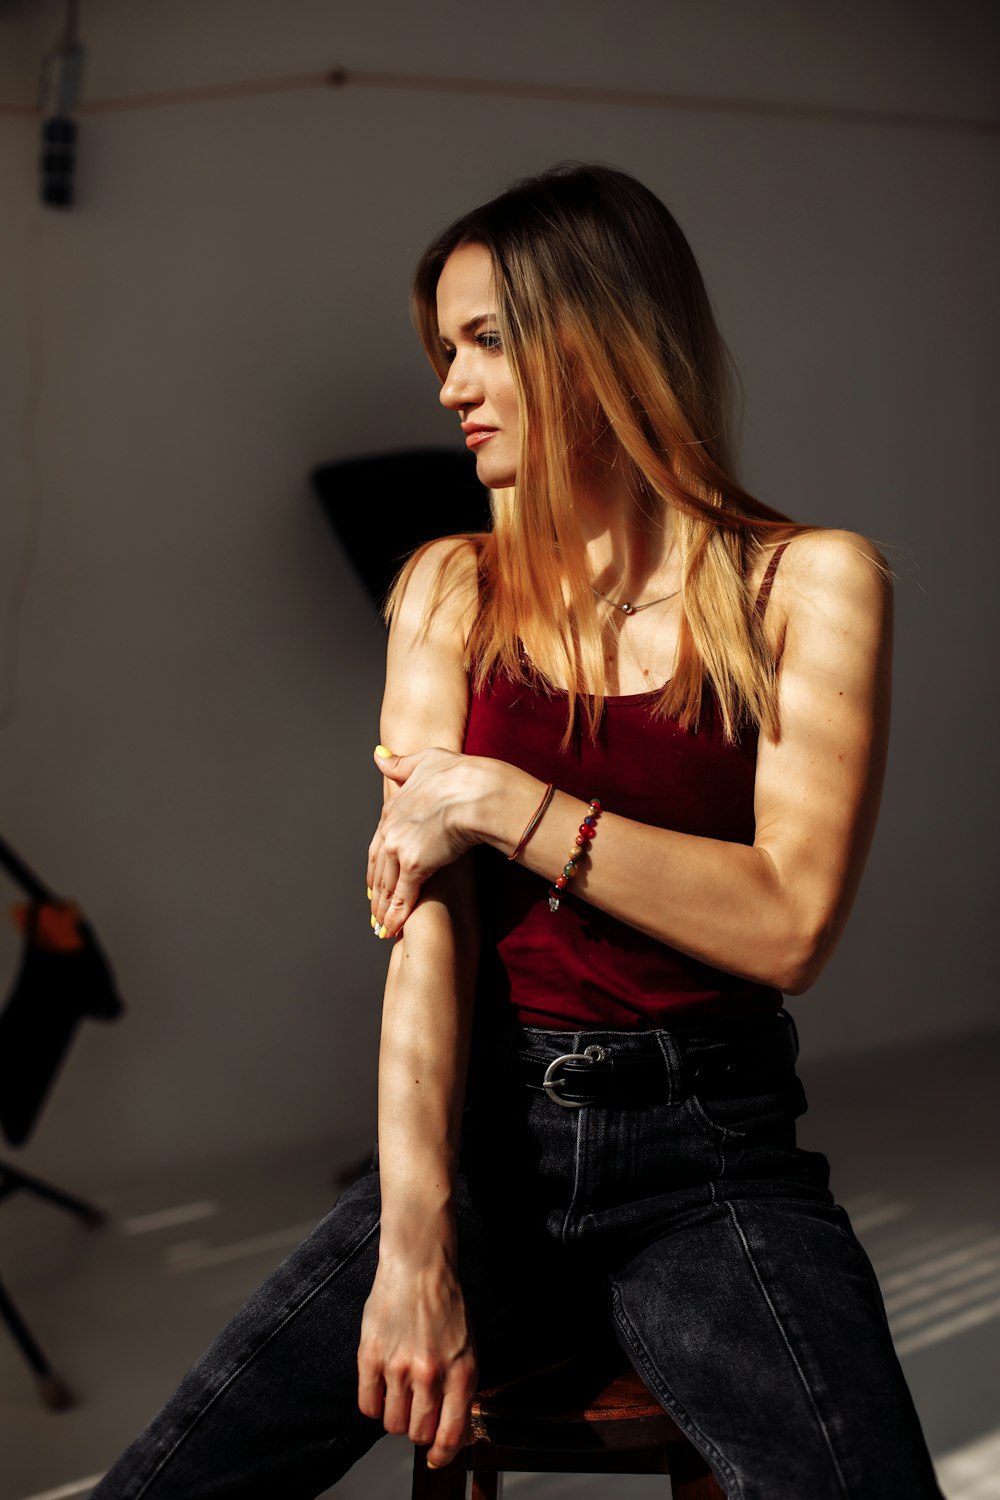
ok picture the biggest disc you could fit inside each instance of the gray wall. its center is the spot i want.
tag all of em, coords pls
(198, 673)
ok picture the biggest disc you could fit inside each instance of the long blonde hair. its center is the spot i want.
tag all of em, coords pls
(597, 286)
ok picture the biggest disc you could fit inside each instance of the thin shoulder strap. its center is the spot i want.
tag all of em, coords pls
(765, 584)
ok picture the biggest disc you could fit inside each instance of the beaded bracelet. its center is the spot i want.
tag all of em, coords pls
(588, 828)
(533, 821)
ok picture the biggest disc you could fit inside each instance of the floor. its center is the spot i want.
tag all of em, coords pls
(122, 1310)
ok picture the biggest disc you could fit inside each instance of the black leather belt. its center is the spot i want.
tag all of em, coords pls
(720, 1070)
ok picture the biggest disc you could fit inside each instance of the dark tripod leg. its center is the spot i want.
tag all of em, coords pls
(12, 1180)
(52, 1389)
(54, 1392)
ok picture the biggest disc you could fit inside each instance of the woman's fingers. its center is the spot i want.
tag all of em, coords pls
(383, 878)
(398, 1396)
(396, 767)
(378, 874)
(386, 879)
(413, 1402)
(416, 1361)
(401, 902)
(373, 853)
(419, 830)
(371, 1389)
(395, 888)
(460, 1385)
(425, 1405)
(395, 892)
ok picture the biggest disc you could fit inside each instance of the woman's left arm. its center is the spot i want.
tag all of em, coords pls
(771, 911)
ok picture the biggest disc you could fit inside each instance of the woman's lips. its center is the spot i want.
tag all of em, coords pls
(475, 438)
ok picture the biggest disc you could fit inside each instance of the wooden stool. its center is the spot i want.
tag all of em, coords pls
(577, 1417)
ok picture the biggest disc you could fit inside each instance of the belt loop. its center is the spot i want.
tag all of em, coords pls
(674, 1062)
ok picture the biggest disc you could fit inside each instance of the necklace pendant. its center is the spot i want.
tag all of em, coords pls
(628, 609)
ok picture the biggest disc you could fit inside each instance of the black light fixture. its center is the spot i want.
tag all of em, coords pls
(59, 90)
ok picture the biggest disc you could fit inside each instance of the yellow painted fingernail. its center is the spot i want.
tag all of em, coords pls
(382, 931)
(374, 922)
(382, 752)
(369, 890)
(432, 1466)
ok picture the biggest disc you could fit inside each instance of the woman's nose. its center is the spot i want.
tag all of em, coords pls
(459, 388)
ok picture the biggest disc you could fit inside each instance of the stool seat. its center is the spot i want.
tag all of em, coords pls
(585, 1415)
(574, 1406)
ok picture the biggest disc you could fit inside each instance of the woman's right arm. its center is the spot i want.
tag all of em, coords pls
(416, 1362)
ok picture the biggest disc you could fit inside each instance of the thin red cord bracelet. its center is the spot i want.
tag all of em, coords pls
(579, 851)
(533, 821)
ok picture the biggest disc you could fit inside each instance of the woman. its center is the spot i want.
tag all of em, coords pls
(640, 731)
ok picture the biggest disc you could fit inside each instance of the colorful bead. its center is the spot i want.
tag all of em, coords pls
(576, 856)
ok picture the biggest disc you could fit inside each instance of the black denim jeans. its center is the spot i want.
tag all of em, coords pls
(689, 1229)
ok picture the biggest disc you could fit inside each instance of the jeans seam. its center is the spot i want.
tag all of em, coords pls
(669, 1401)
(240, 1368)
(577, 1152)
(788, 1345)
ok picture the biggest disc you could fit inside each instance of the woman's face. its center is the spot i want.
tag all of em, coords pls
(479, 386)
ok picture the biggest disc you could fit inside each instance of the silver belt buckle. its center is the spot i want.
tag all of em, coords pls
(552, 1084)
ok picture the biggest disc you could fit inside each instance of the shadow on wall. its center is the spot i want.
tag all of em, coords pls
(399, 498)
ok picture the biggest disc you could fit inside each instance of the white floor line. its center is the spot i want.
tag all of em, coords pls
(939, 1265)
(972, 1472)
(220, 1255)
(184, 1250)
(948, 1302)
(892, 1261)
(971, 1318)
(862, 1201)
(872, 1218)
(167, 1218)
(64, 1491)
(975, 1271)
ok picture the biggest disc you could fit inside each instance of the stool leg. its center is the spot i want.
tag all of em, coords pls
(449, 1483)
(487, 1484)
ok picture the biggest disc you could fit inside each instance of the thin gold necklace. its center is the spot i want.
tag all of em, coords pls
(634, 609)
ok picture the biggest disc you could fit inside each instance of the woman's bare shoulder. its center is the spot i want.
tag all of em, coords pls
(426, 686)
(826, 554)
(828, 571)
(441, 573)
(439, 592)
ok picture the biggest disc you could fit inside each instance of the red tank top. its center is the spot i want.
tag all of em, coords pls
(579, 968)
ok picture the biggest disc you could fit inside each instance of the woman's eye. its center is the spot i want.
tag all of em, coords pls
(488, 340)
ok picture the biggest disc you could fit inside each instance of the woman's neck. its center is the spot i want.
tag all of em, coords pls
(629, 549)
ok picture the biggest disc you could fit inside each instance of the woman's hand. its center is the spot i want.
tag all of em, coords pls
(416, 1362)
(425, 825)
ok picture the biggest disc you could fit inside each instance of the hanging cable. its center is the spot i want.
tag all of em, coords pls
(555, 93)
(26, 539)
